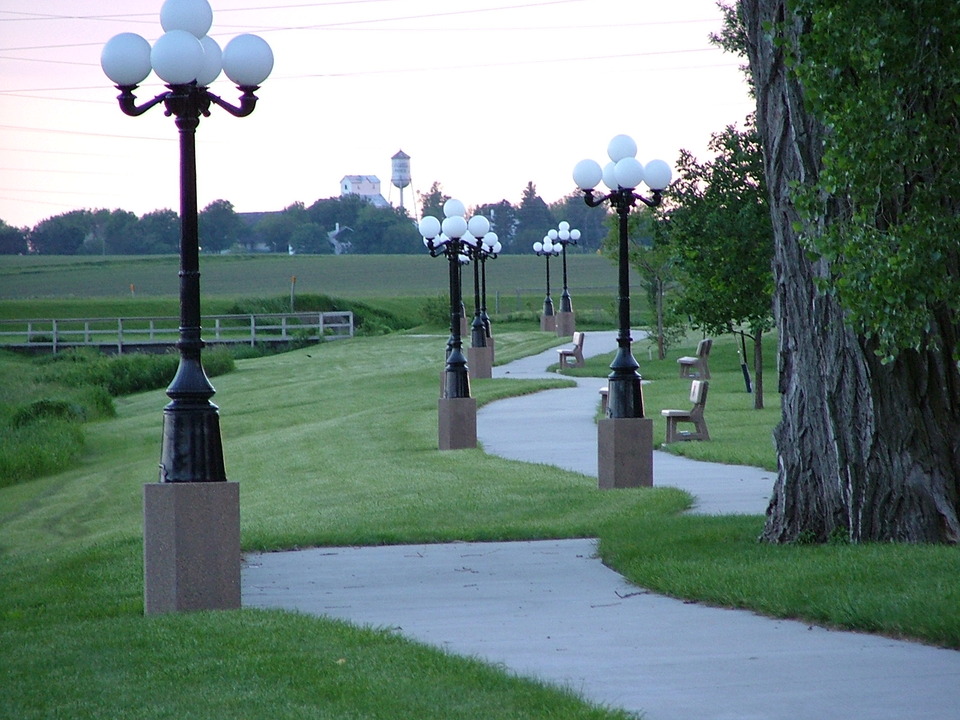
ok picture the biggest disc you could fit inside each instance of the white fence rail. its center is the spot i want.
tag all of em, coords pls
(139, 333)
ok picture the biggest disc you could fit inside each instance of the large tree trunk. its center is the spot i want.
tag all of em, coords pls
(866, 450)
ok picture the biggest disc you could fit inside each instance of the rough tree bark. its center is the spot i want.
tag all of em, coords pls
(866, 450)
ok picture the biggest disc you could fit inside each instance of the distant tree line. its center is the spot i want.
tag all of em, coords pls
(343, 224)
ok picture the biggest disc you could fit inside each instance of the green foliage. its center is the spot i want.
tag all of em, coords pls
(884, 79)
(718, 221)
(34, 449)
(435, 311)
(46, 410)
(654, 259)
(367, 319)
(124, 374)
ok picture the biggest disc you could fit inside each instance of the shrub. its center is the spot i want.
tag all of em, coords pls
(37, 449)
(125, 374)
(45, 410)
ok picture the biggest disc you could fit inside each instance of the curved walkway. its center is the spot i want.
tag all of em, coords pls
(551, 610)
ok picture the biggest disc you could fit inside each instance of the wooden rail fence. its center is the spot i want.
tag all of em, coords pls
(132, 334)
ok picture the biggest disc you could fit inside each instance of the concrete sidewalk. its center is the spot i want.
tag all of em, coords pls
(551, 610)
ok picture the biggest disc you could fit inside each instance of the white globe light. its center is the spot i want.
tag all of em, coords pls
(657, 174)
(609, 176)
(454, 226)
(628, 172)
(490, 239)
(247, 60)
(454, 207)
(125, 59)
(537, 246)
(547, 245)
(469, 239)
(429, 227)
(192, 16)
(563, 225)
(574, 235)
(211, 61)
(177, 57)
(552, 234)
(497, 247)
(586, 174)
(620, 147)
(564, 234)
(479, 226)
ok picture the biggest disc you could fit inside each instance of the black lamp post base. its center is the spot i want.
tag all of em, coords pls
(625, 452)
(457, 423)
(192, 450)
(191, 546)
(566, 324)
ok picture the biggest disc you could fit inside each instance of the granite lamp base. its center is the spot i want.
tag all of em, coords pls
(191, 546)
(625, 452)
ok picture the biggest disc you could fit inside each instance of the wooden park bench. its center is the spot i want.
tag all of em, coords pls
(572, 356)
(698, 396)
(696, 366)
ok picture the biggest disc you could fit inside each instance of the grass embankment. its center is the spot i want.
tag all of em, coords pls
(331, 444)
(336, 444)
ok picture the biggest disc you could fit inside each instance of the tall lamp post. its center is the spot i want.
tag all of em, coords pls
(625, 436)
(192, 515)
(477, 244)
(548, 320)
(491, 249)
(564, 236)
(457, 411)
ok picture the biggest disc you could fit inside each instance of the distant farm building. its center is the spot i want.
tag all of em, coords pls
(366, 186)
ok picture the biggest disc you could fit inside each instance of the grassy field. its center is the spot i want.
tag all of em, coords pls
(331, 449)
(31, 278)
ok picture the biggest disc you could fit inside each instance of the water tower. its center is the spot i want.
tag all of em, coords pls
(400, 176)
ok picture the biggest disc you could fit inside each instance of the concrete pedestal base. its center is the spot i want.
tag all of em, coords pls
(480, 362)
(191, 546)
(566, 324)
(457, 423)
(548, 323)
(625, 452)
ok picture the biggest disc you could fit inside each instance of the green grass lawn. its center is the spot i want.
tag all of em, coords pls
(336, 444)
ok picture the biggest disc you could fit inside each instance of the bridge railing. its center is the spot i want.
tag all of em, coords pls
(138, 333)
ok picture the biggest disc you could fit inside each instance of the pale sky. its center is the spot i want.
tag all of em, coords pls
(484, 95)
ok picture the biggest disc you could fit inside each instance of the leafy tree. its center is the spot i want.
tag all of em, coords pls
(651, 255)
(277, 229)
(590, 221)
(310, 238)
(384, 230)
(13, 241)
(160, 232)
(432, 202)
(719, 222)
(534, 219)
(220, 226)
(115, 232)
(503, 221)
(858, 114)
(62, 234)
